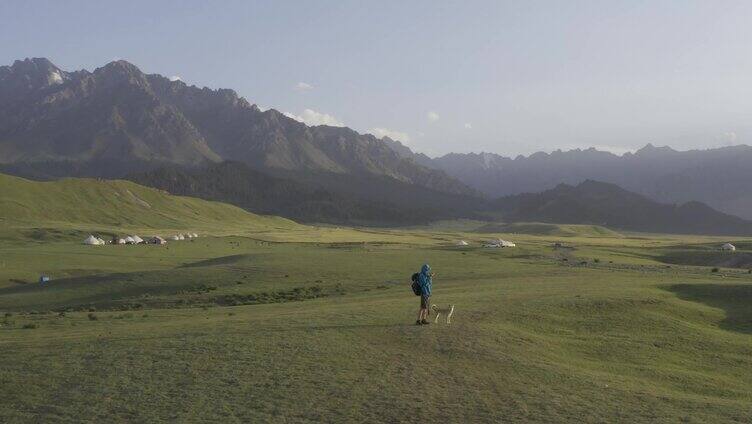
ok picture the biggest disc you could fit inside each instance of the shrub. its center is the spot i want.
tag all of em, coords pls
(714, 270)
(8, 314)
(30, 326)
(92, 316)
(596, 260)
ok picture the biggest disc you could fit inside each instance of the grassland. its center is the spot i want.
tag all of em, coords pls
(269, 321)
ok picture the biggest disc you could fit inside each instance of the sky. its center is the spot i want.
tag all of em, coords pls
(509, 77)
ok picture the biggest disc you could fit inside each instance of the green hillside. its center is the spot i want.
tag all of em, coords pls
(543, 229)
(116, 205)
(264, 320)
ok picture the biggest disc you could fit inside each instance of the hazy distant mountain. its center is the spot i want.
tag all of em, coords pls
(118, 115)
(719, 177)
(238, 184)
(608, 205)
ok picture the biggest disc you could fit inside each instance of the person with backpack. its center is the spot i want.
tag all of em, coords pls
(422, 286)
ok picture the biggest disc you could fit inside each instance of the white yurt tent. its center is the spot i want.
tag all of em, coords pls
(137, 239)
(157, 240)
(130, 240)
(504, 243)
(101, 241)
(181, 237)
(462, 243)
(499, 243)
(121, 241)
(175, 237)
(728, 246)
(92, 241)
(188, 236)
(194, 235)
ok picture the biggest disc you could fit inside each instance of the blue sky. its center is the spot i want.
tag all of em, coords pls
(504, 77)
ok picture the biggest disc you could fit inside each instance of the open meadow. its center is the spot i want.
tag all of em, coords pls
(304, 324)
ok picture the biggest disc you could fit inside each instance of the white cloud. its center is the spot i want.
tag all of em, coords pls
(175, 78)
(432, 116)
(468, 125)
(303, 86)
(730, 138)
(394, 135)
(313, 118)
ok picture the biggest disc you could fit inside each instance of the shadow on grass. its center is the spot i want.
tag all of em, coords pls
(734, 299)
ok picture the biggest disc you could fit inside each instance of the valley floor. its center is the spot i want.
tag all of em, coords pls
(275, 327)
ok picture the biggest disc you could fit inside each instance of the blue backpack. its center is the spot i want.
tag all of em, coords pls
(416, 286)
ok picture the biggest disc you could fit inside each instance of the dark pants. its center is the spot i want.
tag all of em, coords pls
(424, 301)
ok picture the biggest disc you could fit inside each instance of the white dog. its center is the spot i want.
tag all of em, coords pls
(446, 311)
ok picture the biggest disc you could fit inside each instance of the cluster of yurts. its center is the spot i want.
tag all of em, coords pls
(134, 239)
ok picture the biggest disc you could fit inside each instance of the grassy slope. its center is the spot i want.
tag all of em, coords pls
(534, 339)
(542, 229)
(115, 204)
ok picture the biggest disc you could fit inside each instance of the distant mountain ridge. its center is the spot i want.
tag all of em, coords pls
(608, 205)
(307, 201)
(720, 177)
(119, 114)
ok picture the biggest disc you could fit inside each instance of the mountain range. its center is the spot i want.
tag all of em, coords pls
(118, 122)
(389, 201)
(719, 177)
(608, 205)
(117, 114)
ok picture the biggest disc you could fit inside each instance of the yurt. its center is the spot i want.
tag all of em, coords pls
(137, 239)
(188, 236)
(92, 241)
(130, 240)
(157, 240)
(194, 235)
(729, 247)
(462, 243)
(121, 241)
(101, 241)
(499, 243)
(504, 243)
(175, 238)
(181, 237)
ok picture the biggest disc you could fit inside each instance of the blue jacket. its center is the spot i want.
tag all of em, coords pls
(424, 280)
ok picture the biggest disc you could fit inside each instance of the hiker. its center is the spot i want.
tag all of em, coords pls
(424, 281)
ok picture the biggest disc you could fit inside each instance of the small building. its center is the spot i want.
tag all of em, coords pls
(93, 241)
(157, 240)
(728, 247)
(499, 243)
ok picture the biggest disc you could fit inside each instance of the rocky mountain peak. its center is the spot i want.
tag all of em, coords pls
(30, 74)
